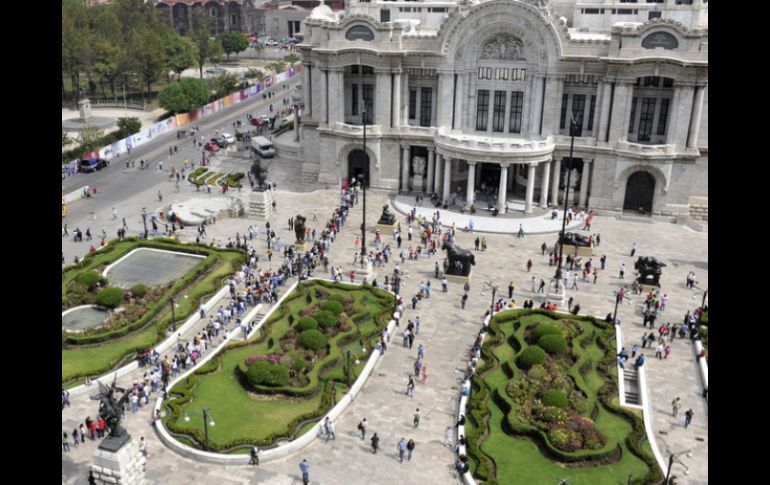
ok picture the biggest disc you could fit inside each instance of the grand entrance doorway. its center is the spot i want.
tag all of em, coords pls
(358, 165)
(640, 189)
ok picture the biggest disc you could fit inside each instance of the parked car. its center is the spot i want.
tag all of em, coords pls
(92, 164)
(211, 146)
(229, 139)
(271, 43)
(220, 140)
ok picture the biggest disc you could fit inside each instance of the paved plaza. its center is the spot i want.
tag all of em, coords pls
(447, 333)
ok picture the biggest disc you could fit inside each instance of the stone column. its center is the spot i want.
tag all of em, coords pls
(324, 118)
(430, 174)
(692, 140)
(471, 182)
(338, 95)
(405, 168)
(620, 111)
(502, 194)
(396, 101)
(405, 98)
(332, 100)
(296, 124)
(445, 92)
(584, 176)
(437, 174)
(544, 184)
(604, 111)
(537, 103)
(684, 114)
(307, 96)
(672, 117)
(447, 176)
(555, 185)
(382, 97)
(458, 103)
(554, 86)
(530, 187)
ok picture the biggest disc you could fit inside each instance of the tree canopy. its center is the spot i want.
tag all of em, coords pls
(184, 95)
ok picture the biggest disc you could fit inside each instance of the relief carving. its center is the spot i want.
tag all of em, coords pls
(503, 47)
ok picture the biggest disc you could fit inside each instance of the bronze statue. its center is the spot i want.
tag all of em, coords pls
(649, 270)
(257, 176)
(460, 260)
(299, 228)
(573, 239)
(110, 409)
(386, 217)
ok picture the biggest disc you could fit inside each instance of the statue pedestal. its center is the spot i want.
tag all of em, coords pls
(417, 184)
(301, 247)
(556, 291)
(366, 273)
(261, 204)
(648, 288)
(386, 229)
(458, 279)
(118, 461)
(84, 106)
(581, 250)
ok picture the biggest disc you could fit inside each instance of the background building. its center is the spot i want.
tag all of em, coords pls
(464, 97)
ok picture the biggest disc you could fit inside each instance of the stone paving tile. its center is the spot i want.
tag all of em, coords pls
(447, 333)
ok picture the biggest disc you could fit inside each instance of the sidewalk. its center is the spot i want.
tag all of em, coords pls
(485, 222)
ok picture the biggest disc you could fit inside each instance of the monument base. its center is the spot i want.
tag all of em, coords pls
(557, 292)
(366, 273)
(386, 228)
(581, 250)
(417, 183)
(118, 461)
(301, 247)
(457, 278)
(261, 204)
(648, 288)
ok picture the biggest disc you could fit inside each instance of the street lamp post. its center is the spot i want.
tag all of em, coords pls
(615, 314)
(347, 365)
(173, 314)
(363, 187)
(674, 457)
(206, 423)
(702, 306)
(572, 124)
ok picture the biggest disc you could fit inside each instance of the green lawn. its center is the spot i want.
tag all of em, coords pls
(262, 417)
(518, 459)
(79, 361)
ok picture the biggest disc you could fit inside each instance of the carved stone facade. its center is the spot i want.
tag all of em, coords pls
(484, 91)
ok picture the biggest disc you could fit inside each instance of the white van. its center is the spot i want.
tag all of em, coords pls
(262, 146)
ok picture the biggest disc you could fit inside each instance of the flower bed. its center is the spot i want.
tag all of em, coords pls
(528, 420)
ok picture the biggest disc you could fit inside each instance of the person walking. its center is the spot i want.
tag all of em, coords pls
(424, 374)
(417, 367)
(375, 443)
(543, 248)
(362, 429)
(633, 249)
(529, 267)
(575, 281)
(464, 300)
(417, 418)
(533, 284)
(409, 449)
(603, 260)
(401, 447)
(541, 288)
(420, 351)
(65, 442)
(304, 466)
(410, 387)
(622, 270)
(676, 405)
(688, 417)
(511, 287)
(254, 456)
(329, 429)
(634, 350)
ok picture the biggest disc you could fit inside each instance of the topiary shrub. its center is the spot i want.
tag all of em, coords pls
(332, 306)
(326, 319)
(306, 323)
(555, 397)
(553, 343)
(261, 373)
(110, 297)
(530, 356)
(312, 339)
(89, 279)
(139, 290)
(545, 329)
(537, 372)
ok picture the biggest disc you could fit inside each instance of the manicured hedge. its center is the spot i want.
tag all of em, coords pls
(555, 397)
(267, 374)
(332, 306)
(89, 279)
(530, 356)
(307, 323)
(545, 329)
(553, 343)
(325, 318)
(138, 291)
(312, 339)
(110, 297)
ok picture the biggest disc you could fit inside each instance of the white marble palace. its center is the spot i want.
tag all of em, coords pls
(474, 99)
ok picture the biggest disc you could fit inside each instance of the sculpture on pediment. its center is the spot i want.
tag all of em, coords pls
(503, 47)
